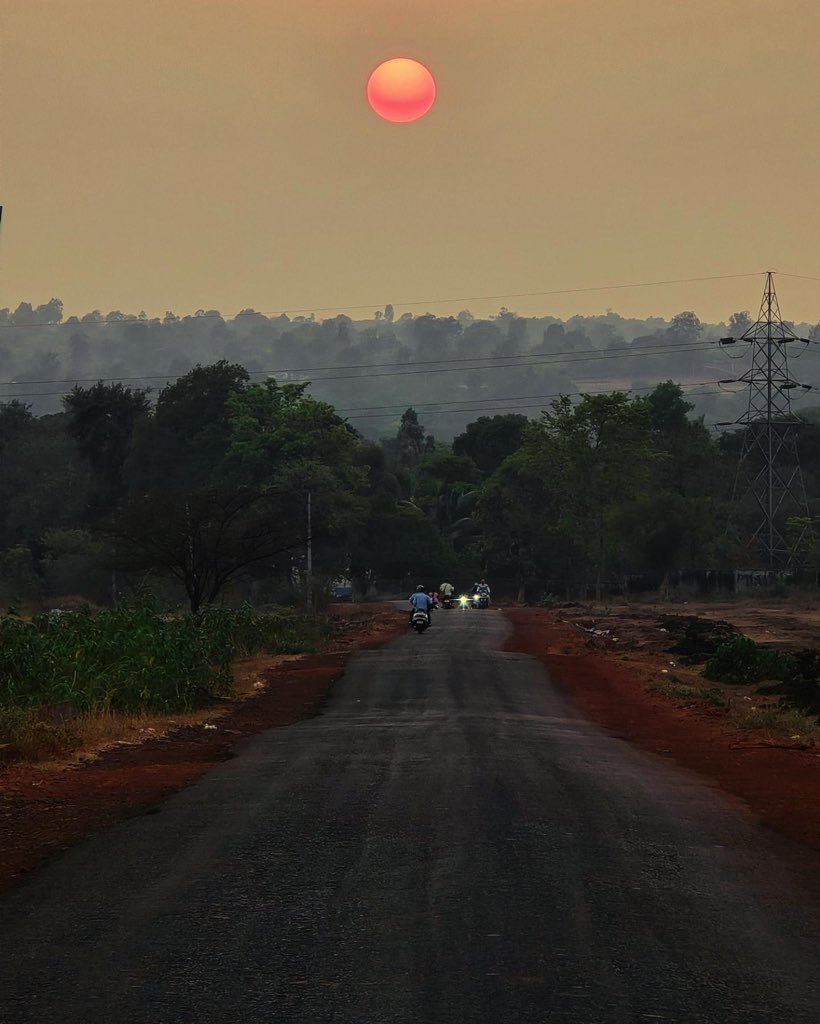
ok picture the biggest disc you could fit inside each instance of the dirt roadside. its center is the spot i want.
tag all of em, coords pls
(45, 809)
(612, 665)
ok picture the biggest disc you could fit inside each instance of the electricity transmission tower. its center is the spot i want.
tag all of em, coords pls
(769, 478)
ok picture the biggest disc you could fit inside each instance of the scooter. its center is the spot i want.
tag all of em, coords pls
(420, 621)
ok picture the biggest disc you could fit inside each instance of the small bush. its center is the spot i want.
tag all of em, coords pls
(709, 694)
(27, 735)
(779, 719)
(741, 660)
(801, 684)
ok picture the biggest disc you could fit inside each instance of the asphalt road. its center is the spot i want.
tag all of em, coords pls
(448, 842)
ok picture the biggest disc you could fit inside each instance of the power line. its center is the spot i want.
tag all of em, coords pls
(413, 302)
(530, 360)
(799, 277)
(421, 406)
(596, 352)
(529, 295)
(537, 405)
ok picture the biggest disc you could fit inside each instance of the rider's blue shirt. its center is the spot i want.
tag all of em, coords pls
(421, 601)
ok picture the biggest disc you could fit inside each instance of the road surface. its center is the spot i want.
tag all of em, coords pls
(448, 842)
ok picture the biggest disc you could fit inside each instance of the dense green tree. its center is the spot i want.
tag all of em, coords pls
(270, 425)
(518, 519)
(184, 444)
(490, 439)
(685, 327)
(689, 462)
(196, 407)
(444, 481)
(281, 467)
(102, 420)
(44, 482)
(596, 455)
(409, 439)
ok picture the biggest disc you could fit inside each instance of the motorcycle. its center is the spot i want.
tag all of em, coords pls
(420, 621)
(481, 601)
(447, 602)
(464, 601)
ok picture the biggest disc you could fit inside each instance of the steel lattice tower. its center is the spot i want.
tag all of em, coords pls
(769, 477)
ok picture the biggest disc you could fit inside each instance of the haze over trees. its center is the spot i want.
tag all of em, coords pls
(451, 369)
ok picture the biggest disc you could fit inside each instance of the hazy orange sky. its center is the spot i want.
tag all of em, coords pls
(179, 154)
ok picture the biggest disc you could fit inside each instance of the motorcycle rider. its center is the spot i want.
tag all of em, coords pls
(447, 590)
(482, 589)
(421, 601)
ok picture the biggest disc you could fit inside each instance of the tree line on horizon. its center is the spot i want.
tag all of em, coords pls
(204, 493)
(454, 368)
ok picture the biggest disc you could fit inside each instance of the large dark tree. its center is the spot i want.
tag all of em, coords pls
(102, 420)
(184, 444)
(490, 439)
(206, 541)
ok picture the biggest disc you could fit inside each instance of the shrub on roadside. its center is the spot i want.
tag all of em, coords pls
(741, 660)
(26, 734)
(801, 684)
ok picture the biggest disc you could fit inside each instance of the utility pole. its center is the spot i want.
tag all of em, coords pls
(769, 478)
(309, 573)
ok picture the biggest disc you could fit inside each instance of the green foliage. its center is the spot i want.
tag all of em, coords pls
(491, 439)
(588, 459)
(397, 542)
(410, 439)
(518, 515)
(133, 658)
(801, 683)
(741, 660)
(250, 457)
(196, 407)
(102, 419)
(15, 420)
(271, 425)
(44, 481)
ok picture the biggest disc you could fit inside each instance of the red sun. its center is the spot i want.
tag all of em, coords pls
(401, 90)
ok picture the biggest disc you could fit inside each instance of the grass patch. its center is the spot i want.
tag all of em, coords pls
(27, 734)
(779, 724)
(680, 691)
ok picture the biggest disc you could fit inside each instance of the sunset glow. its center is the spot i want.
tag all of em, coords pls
(401, 90)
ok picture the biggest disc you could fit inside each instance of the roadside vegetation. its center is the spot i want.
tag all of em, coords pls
(59, 669)
(772, 693)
